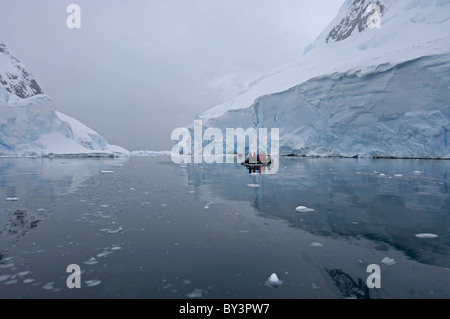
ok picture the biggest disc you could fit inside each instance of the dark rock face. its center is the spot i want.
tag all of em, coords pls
(18, 80)
(357, 18)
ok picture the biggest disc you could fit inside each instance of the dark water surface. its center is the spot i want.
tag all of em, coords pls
(153, 229)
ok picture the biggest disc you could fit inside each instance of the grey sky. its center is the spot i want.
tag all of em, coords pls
(137, 69)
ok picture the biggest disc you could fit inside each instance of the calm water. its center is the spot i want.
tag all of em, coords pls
(154, 229)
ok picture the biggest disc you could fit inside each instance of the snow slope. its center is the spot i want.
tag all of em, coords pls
(359, 91)
(30, 124)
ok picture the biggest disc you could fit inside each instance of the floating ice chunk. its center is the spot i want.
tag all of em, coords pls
(92, 283)
(106, 172)
(116, 165)
(417, 173)
(303, 209)
(104, 254)
(14, 281)
(427, 236)
(116, 248)
(207, 206)
(23, 273)
(91, 262)
(28, 281)
(103, 206)
(4, 266)
(197, 293)
(388, 261)
(316, 244)
(273, 281)
(4, 277)
(12, 199)
(253, 186)
(398, 175)
(49, 286)
(40, 210)
(382, 175)
(190, 192)
(186, 281)
(118, 230)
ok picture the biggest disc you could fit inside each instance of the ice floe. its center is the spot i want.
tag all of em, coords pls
(106, 172)
(427, 236)
(388, 261)
(91, 261)
(12, 199)
(304, 209)
(197, 293)
(273, 281)
(253, 186)
(316, 244)
(92, 283)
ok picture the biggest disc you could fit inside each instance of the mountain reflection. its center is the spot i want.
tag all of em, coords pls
(37, 183)
(385, 201)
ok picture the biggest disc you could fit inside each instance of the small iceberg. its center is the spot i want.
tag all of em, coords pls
(12, 199)
(316, 244)
(304, 209)
(388, 261)
(427, 236)
(273, 281)
(253, 186)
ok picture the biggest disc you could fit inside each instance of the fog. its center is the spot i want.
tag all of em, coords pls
(137, 69)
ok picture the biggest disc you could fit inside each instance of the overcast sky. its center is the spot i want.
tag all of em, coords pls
(137, 69)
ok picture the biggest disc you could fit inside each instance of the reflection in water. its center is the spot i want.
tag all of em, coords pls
(37, 183)
(347, 286)
(385, 201)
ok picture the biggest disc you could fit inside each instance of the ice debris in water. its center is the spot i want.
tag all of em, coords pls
(417, 173)
(388, 261)
(116, 248)
(4, 278)
(12, 199)
(316, 244)
(93, 283)
(427, 236)
(91, 261)
(115, 231)
(273, 281)
(207, 206)
(398, 175)
(49, 286)
(186, 281)
(197, 293)
(106, 172)
(28, 281)
(253, 186)
(303, 209)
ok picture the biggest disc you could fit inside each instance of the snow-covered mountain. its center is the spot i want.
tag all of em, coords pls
(30, 124)
(359, 90)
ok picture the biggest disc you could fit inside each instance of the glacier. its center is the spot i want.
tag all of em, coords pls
(357, 91)
(30, 125)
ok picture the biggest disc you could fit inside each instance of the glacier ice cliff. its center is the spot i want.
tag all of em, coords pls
(30, 124)
(357, 91)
